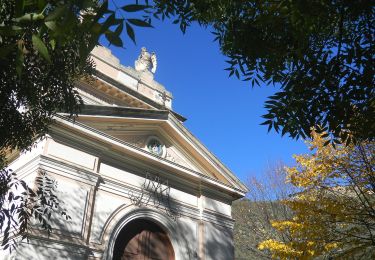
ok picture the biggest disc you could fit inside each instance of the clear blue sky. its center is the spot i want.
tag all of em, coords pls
(223, 113)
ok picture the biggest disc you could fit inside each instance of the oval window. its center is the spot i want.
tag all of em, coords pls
(155, 147)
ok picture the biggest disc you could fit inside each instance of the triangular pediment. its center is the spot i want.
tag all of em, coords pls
(173, 152)
(138, 132)
(136, 127)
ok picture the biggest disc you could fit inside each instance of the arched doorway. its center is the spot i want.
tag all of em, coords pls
(142, 239)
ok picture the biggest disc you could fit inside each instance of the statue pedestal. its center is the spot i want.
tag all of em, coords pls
(147, 77)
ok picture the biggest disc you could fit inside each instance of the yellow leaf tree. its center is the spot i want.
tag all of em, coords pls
(334, 210)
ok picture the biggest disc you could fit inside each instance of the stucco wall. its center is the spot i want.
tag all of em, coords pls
(96, 194)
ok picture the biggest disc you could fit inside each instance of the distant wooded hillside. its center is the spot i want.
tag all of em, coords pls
(253, 226)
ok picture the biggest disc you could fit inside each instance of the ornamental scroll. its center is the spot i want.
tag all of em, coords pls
(155, 192)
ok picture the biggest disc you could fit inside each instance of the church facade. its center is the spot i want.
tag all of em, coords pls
(136, 183)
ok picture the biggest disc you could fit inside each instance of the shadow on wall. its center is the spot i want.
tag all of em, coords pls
(73, 199)
(219, 245)
(44, 250)
(219, 239)
(187, 230)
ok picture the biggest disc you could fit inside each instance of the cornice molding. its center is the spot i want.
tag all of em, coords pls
(132, 149)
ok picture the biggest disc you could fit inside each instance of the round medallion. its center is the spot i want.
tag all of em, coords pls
(155, 146)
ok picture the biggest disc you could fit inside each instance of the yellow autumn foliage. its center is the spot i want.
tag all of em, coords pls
(284, 251)
(334, 210)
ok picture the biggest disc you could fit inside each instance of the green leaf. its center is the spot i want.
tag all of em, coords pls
(256, 81)
(326, 142)
(41, 47)
(19, 7)
(10, 30)
(51, 25)
(119, 29)
(19, 61)
(140, 23)
(348, 141)
(134, 8)
(57, 13)
(29, 17)
(5, 50)
(110, 21)
(41, 5)
(269, 128)
(103, 9)
(96, 28)
(130, 32)
(237, 74)
(84, 4)
(114, 39)
(336, 141)
(52, 42)
(268, 116)
(283, 131)
(267, 122)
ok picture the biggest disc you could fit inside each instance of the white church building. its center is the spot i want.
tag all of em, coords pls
(136, 183)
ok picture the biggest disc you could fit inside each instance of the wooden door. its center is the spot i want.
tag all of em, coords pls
(143, 240)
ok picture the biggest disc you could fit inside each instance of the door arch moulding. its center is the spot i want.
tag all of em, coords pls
(127, 215)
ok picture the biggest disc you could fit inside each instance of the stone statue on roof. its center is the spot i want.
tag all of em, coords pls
(146, 61)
